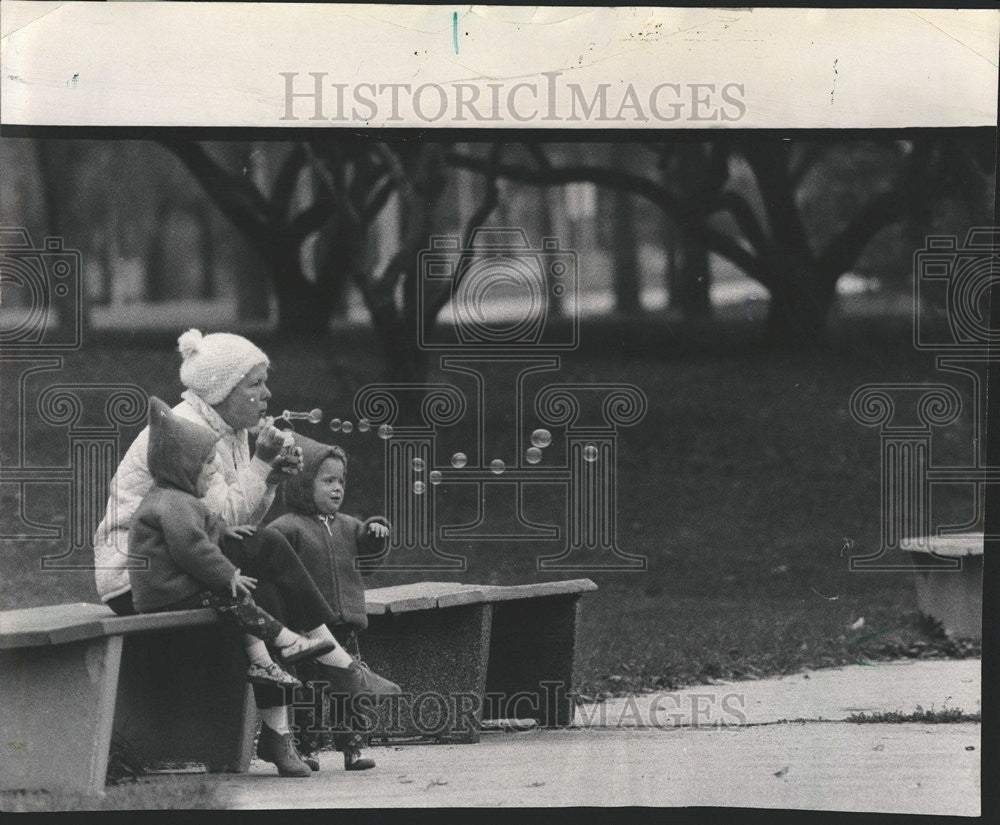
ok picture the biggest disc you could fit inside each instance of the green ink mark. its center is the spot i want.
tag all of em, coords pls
(454, 29)
(72, 80)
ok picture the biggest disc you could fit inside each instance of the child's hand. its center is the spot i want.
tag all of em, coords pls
(378, 530)
(240, 531)
(288, 463)
(240, 585)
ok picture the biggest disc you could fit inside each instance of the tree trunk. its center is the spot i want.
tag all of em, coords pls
(625, 260)
(206, 248)
(156, 255)
(689, 281)
(798, 311)
(303, 310)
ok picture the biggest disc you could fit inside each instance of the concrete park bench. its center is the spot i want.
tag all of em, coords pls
(954, 597)
(171, 686)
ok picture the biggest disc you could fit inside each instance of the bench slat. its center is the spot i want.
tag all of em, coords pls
(405, 598)
(961, 544)
(63, 623)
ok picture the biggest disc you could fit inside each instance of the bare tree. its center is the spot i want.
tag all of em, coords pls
(773, 248)
(354, 180)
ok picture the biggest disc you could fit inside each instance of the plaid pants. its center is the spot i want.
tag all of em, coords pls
(240, 611)
(340, 717)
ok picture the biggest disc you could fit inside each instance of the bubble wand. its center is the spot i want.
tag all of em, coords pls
(313, 416)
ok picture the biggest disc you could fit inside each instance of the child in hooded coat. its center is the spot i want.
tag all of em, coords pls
(328, 542)
(175, 531)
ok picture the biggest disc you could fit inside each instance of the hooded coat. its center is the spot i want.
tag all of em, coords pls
(328, 548)
(173, 529)
(239, 492)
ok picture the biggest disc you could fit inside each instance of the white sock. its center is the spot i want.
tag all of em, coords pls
(338, 657)
(276, 719)
(256, 651)
(285, 637)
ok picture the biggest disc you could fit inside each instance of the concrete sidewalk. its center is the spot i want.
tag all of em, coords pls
(821, 695)
(678, 755)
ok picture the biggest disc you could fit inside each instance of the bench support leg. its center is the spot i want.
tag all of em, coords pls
(183, 697)
(58, 705)
(438, 658)
(530, 673)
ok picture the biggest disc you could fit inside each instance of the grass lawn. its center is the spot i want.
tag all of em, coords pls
(747, 486)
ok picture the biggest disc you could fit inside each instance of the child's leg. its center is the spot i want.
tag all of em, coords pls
(348, 740)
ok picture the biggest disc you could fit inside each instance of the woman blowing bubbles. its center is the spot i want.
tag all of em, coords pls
(225, 376)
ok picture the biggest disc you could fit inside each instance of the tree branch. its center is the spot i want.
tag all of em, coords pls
(683, 214)
(342, 202)
(237, 198)
(285, 183)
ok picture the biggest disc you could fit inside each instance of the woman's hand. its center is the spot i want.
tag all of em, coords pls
(240, 585)
(270, 440)
(240, 531)
(378, 530)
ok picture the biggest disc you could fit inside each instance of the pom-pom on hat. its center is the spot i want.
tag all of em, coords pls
(214, 364)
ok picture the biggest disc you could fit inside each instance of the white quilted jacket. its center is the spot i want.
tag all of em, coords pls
(239, 493)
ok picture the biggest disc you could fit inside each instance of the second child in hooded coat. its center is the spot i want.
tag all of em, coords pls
(329, 542)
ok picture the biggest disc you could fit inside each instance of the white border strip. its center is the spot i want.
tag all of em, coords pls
(234, 64)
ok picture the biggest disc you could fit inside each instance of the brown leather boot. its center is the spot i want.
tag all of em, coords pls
(279, 749)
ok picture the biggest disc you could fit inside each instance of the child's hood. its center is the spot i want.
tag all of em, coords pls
(177, 448)
(299, 488)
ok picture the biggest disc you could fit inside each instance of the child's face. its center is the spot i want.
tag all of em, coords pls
(205, 476)
(329, 486)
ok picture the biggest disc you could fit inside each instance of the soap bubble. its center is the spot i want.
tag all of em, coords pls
(418, 465)
(459, 460)
(497, 466)
(346, 427)
(315, 416)
(435, 477)
(541, 438)
(385, 432)
(419, 487)
(364, 425)
(336, 424)
(534, 455)
(590, 453)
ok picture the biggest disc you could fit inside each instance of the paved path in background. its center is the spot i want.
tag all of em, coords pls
(612, 759)
(829, 694)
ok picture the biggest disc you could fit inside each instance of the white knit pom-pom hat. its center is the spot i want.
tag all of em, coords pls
(214, 364)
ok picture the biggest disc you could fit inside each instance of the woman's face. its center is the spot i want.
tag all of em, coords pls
(247, 403)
